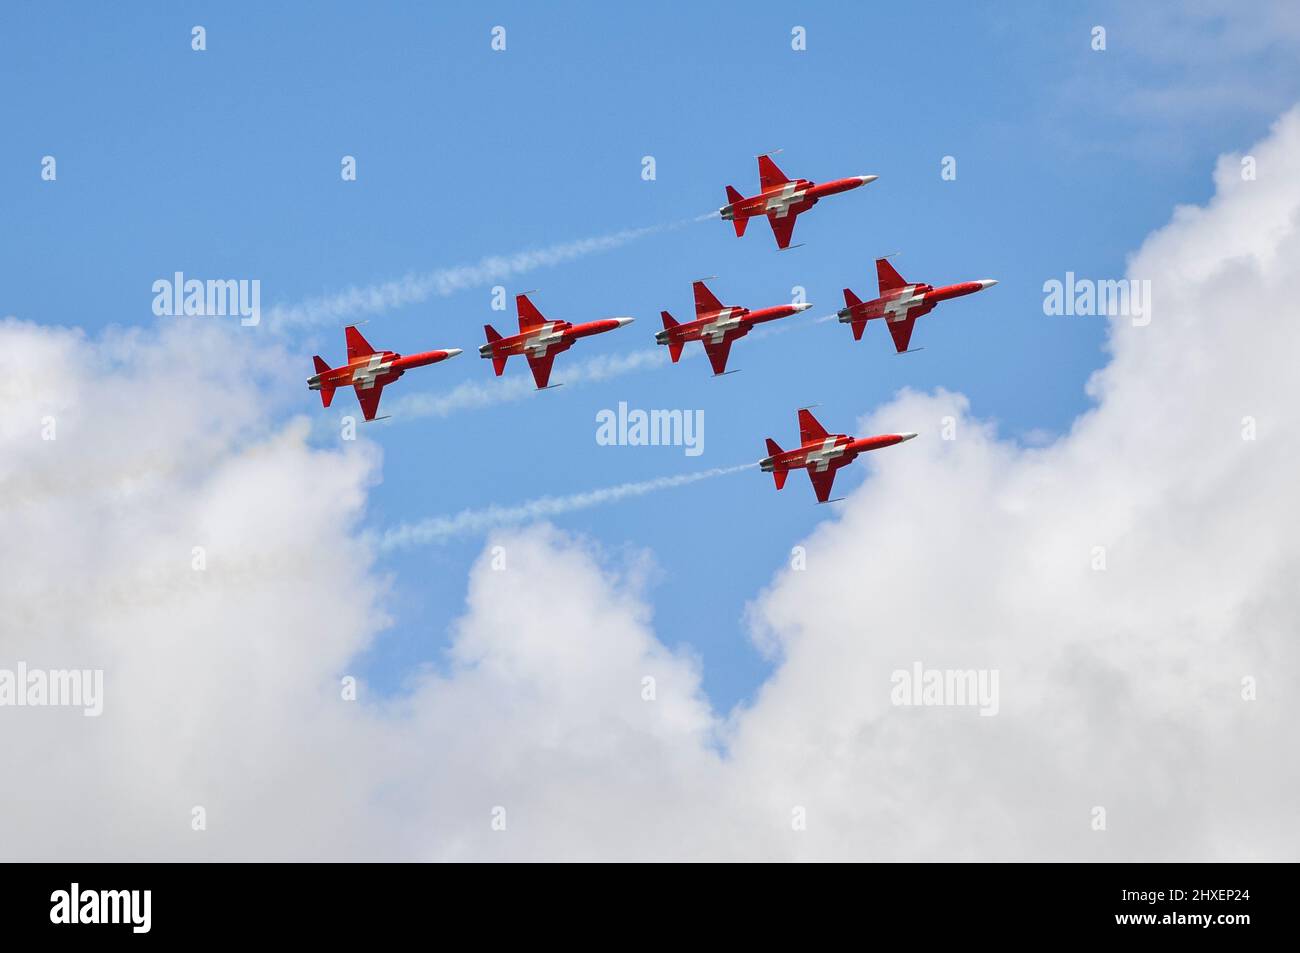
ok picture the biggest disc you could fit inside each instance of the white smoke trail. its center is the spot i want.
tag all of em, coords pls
(439, 528)
(472, 395)
(413, 288)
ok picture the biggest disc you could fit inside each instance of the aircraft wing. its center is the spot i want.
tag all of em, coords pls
(769, 174)
(887, 277)
(717, 353)
(529, 316)
(705, 301)
(358, 346)
(822, 483)
(541, 368)
(810, 429)
(368, 397)
(902, 331)
(783, 228)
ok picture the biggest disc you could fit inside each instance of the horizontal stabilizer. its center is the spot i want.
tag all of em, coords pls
(321, 366)
(850, 299)
(779, 476)
(491, 333)
(326, 395)
(499, 363)
(772, 448)
(669, 321)
(675, 350)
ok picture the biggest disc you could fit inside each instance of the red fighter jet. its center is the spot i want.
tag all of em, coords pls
(716, 326)
(368, 370)
(821, 454)
(540, 340)
(900, 303)
(782, 199)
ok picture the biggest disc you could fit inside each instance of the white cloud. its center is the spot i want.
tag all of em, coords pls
(1118, 688)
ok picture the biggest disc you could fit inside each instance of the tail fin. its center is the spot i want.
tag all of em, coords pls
(738, 221)
(778, 475)
(498, 361)
(852, 301)
(326, 393)
(674, 347)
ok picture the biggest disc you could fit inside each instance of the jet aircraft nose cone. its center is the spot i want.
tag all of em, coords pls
(624, 322)
(452, 352)
(803, 307)
(868, 179)
(987, 283)
(907, 436)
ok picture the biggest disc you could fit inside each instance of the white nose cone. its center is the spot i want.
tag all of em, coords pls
(868, 179)
(624, 322)
(907, 436)
(987, 283)
(452, 352)
(802, 307)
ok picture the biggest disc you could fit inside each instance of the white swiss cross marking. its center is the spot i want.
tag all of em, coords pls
(364, 376)
(541, 342)
(716, 330)
(897, 308)
(781, 202)
(821, 458)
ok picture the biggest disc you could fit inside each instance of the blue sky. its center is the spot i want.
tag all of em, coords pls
(225, 163)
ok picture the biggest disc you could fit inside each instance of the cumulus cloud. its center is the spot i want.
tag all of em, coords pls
(577, 730)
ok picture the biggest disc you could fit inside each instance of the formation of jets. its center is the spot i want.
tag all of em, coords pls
(781, 200)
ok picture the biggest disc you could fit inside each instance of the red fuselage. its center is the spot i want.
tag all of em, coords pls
(790, 198)
(729, 322)
(821, 453)
(900, 303)
(908, 301)
(829, 453)
(550, 338)
(381, 367)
